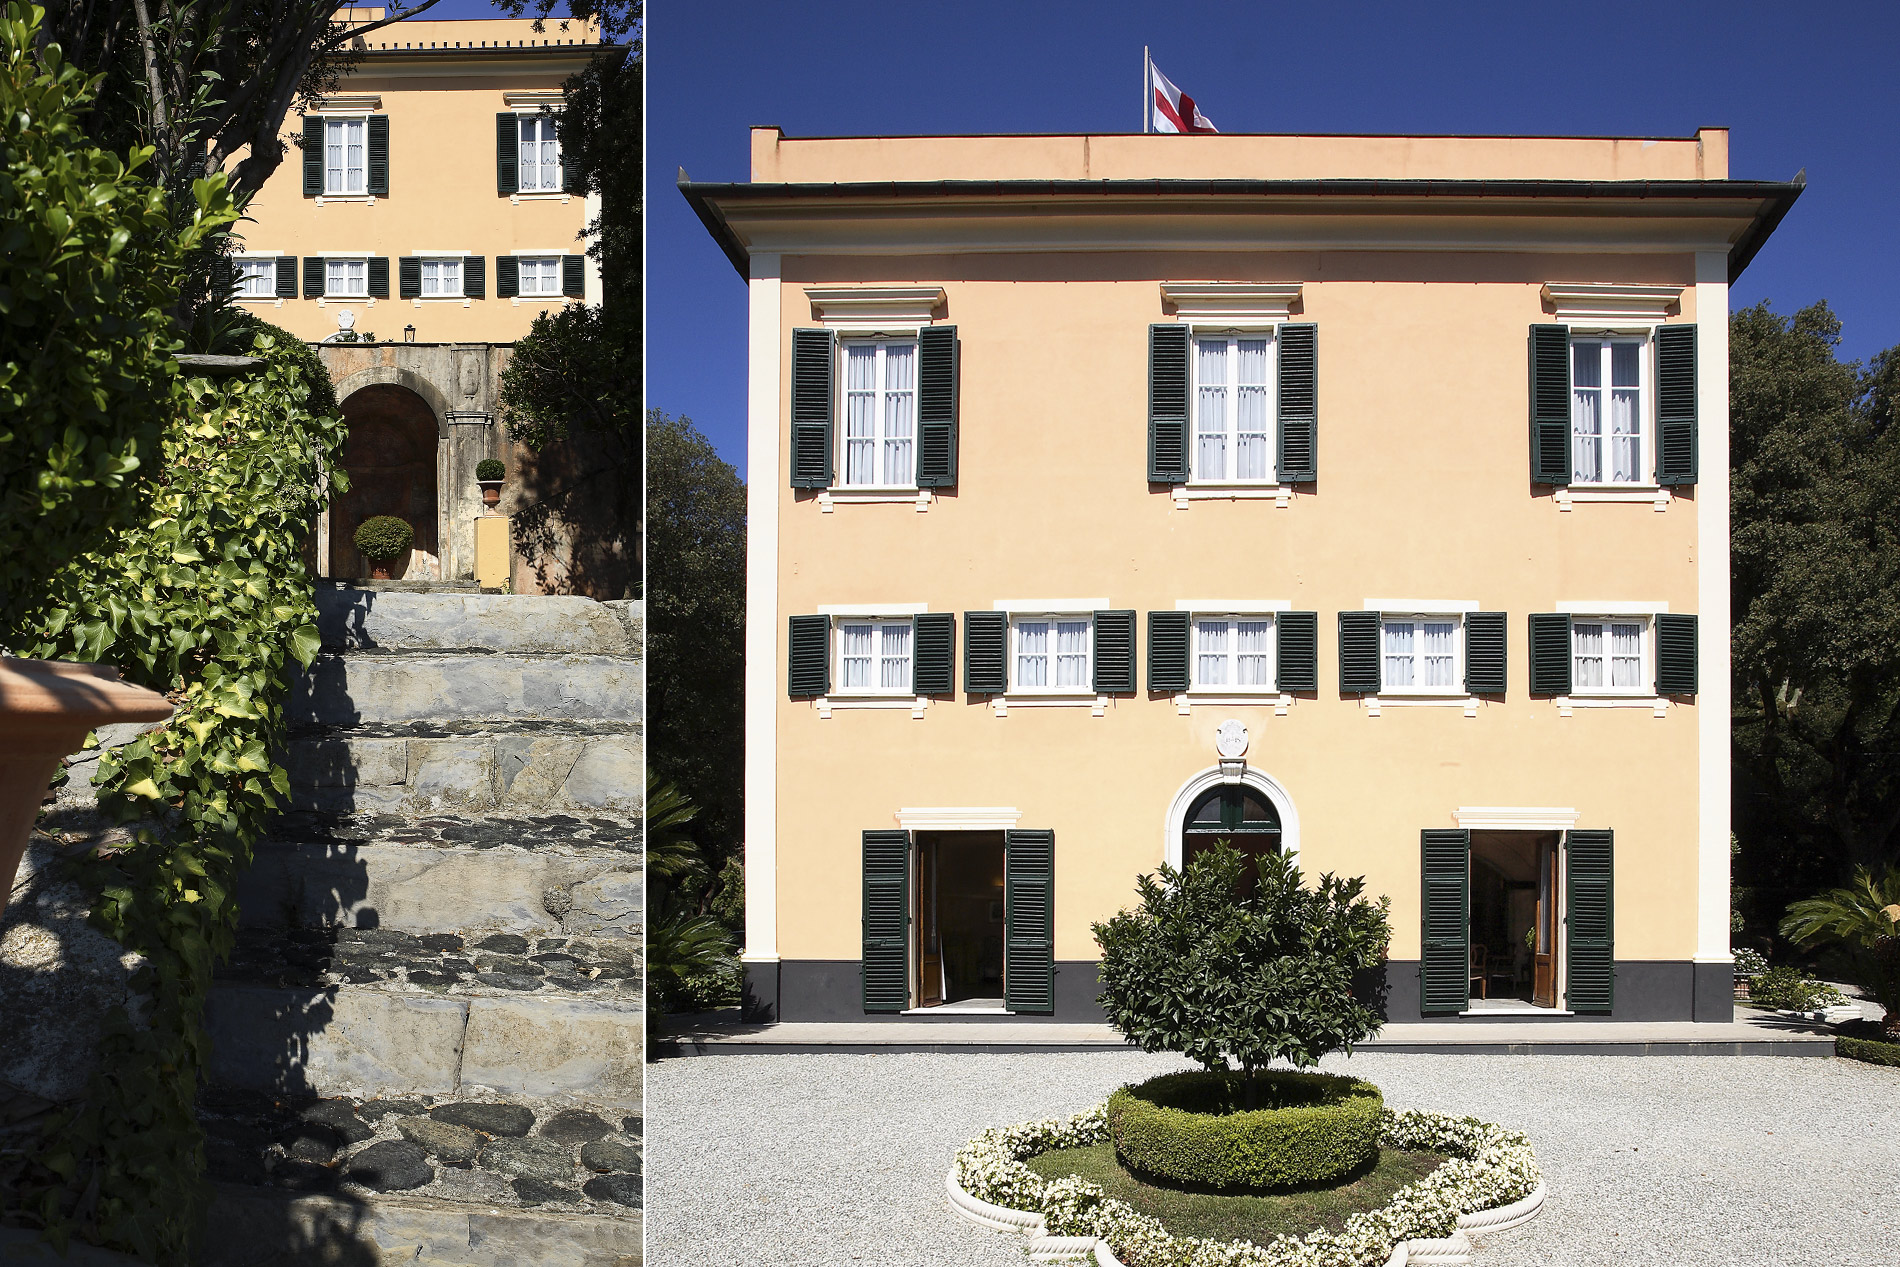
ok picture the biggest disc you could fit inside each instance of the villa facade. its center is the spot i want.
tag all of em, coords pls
(1357, 498)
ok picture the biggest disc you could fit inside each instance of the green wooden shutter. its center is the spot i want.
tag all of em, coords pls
(224, 278)
(378, 184)
(937, 356)
(1675, 654)
(1487, 651)
(1358, 653)
(1550, 653)
(408, 277)
(1591, 947)
(474, 277)
(1676, 442)
(809, 671)
(933, 665)
(1168, 652)
(813, 401)
(312, 158)
(1029, 914)
(379, 277)
(574, 276)
(1296, 651)
(1550, 404)
(507, 153)
(1114, 652)
(313, 269)
(1167, 404)
(1444, 966)
(286, 277)
(886, 966)
(1299, 404)
(985, 653)
(573, 179)
(507, 277)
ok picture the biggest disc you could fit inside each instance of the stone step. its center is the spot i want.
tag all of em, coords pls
(355, 690)
(374, 1040)
(526, 767)
(470, 963)
(354, 618)
(546, 875)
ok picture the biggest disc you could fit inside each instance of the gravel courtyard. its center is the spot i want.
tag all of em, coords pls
(1672, 1161)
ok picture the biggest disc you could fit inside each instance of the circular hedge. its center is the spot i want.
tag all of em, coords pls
(490, 469)
(1190, 1129)
(384, 537)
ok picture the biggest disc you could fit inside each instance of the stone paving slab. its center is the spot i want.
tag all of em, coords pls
(350, 689)
(504, 963)
(356, 619)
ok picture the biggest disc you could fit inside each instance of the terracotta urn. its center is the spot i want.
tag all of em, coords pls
(379, 569)
(491, 492)
(46, 708)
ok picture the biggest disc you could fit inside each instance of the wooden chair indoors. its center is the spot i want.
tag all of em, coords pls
(1478, 974)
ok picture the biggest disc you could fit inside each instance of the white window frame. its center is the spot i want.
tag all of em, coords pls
(1645, 688)
(1052, 619)
(1456, 687)
(521, 168)
(342, 123)
(878, 625)
(261, 268)
(461, 280)
(554, 273)
(1231, 656)
(882, 342)
(329, 293)
(1233, 334)
(1645, 406)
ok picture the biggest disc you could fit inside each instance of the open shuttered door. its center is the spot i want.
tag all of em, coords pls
(1550, 404)
(937, 357)
(1444, 969)
(812, 397)
(1029, 879)
(1298, 456)
(933, 666)
(1591, 949)
(1167, 404)
(1676, 405)
(886, 967)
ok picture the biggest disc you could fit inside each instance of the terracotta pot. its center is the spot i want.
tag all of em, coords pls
(491, 492)
(46, 708)
(379, 569)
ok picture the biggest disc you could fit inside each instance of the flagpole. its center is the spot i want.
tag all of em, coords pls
(1147, 88)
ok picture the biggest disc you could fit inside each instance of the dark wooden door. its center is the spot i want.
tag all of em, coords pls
(929, 926)
(1544, 950)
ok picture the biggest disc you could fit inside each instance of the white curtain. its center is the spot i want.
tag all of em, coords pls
(895, 660)
(859, 641)
(1587, 664)
(1586, 412)
(1072, 653)
(1398, 653)
(353, 164)
(1210, 666)
(900, 370)
(1626, 412)
(1251, 461)
(550, 157)
(1440, 638)
(1032, 653)
(333, 156)
(1626, 656)
(1251, 652)
(860, 413)
(1210, 458)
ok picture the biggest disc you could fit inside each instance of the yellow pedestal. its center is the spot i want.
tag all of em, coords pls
(491, 552)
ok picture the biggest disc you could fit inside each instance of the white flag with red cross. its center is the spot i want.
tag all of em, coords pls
(1172, 110)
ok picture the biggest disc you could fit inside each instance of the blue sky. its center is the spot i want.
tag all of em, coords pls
(1801, 86)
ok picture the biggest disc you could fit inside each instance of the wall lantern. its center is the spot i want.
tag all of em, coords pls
(408, 334)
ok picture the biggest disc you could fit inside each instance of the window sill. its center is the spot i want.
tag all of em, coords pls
(539, 195)
(830, 498)
(1279, 703)
(518, 300)
(368, 200)
(419, 300)
(1565, 703)
(275, 301)
(1097, 704)
(1280, 494)
(827, 704)
(367, 301)
(1373, 703)
(1632, 493)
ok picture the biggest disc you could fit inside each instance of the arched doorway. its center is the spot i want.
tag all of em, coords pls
(1232, 812)
(1209, 800)
(391, 460)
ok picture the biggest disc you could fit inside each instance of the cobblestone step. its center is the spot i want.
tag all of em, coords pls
(437, 962)
(458, 686)
(417, 768)
(354, 618)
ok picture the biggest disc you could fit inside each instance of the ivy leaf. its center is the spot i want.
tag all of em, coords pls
(144, 789)
(305, 643)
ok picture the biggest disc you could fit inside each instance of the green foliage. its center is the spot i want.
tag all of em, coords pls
(1205, 969)
(690, 955)
(384, 537)
(203, 595)
(1864, 920)
(728, 899)
(1789, 989)
(1816, 568)
(88, 264)
(1750, 962)
(490, 469)
(1871, 1050)
(1200, 1129)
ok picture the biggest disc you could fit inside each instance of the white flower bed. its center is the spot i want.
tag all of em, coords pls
(1487, 1167)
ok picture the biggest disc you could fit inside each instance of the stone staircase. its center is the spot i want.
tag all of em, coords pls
(438, 973)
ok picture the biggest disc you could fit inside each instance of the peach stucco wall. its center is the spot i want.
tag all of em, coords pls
(1423, 493)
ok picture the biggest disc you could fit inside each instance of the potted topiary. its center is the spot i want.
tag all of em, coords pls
(489, 473)
(382, 539)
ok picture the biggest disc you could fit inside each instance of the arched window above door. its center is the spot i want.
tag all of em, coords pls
(1236, 813)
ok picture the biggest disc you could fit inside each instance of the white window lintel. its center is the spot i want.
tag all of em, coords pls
(1232, 606)
(1517, 817)
(1643, 607)
(532, 98)
(1050, 606)
(1594, 305)
(1424, 606)
(348, 103)
(872, 609)
(959, 817)
(875, 307)
(442, 254)
(1265, 303)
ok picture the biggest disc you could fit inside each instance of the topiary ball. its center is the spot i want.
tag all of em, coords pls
(384, 537)
(490, 469)
(1190, 1129)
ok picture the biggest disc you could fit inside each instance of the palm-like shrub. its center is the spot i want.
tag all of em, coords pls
(1864, 920)
(384, 537)
(690, 958)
